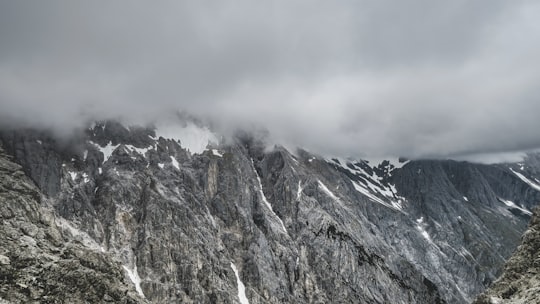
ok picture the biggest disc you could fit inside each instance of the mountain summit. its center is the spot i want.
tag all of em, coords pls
(175, 214)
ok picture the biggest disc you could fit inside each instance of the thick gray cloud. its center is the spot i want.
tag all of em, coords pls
(418, 78)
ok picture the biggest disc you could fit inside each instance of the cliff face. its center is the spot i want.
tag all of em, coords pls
(236, 222)
(43, 259)
(520, 281)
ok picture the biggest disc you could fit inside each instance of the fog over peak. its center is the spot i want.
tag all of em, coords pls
(354, 78)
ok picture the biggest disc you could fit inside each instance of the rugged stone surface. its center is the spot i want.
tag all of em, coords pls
(41, 262)
(299, 228)
(520, 281)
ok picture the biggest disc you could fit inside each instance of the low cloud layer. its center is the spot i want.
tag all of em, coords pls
(378, 78)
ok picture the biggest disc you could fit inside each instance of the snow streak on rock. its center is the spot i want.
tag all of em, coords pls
(513, 205)
(175, 163)
(526, 180)
(370, 181)
(241, 287)
(134, 277)
(261, 192)
(327, 191)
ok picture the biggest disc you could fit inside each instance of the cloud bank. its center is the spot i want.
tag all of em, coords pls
(363, 78)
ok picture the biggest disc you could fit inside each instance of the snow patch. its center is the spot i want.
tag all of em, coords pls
(191, 137)
(107, 150)
(216, 153)
(100, 171)
(374, 184)
(515, 206)
(134, 277)
(85, 154)
(85, 178)
(424, 233)
(141, 151)
(394, 161)
(39, 142)
(160, 165)
(261, 192)
(73, 175)
(466, 199)
(374, 198)
(175, 163)
(526, 180)
(241, 287)
(327, 191)
(299, 192)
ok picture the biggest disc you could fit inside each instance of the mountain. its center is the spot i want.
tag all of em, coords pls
(234, 221)
(520, 281)
(43, 258)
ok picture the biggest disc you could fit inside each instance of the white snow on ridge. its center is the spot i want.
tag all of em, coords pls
(374, 185)
(374, 198)
(216, 153)
(241, 287)
(394, 161)
(526, 180)
(193, 138)
(141, 151)
(134, 277)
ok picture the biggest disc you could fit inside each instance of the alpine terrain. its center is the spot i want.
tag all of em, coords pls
(179, 214)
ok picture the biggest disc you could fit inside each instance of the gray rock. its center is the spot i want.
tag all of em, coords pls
(520, 281)
(299, 228)
(36, 269)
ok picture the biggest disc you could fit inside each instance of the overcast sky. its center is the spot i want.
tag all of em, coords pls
(418, 78)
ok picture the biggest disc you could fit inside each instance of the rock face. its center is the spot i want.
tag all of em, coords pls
(289, 228)
(44, 259)
(520, 281)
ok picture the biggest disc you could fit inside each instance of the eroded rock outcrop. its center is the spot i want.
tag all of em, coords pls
(520, 281)
(43, 259)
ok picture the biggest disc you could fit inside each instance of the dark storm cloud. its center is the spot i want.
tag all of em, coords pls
(417, 78)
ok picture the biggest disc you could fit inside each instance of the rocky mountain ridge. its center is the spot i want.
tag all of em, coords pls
(289, 227)
(520, 281)
(42, 259)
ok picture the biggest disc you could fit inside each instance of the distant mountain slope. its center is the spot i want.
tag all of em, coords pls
(196, 225)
